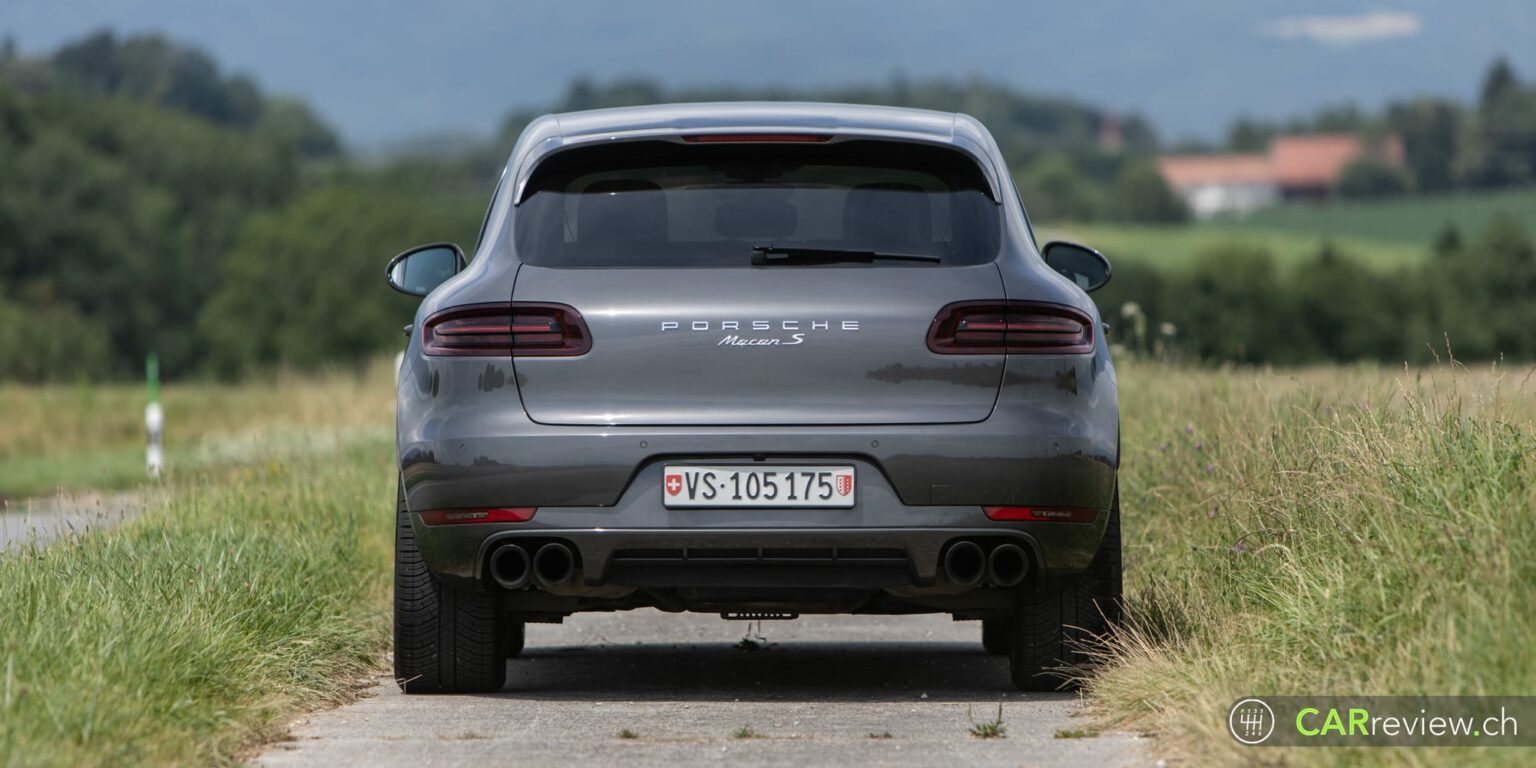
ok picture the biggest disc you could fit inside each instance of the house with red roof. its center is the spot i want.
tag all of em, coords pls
(1295, 167)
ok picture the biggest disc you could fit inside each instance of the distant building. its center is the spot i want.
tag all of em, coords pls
(1304, 167)
(1212, 184)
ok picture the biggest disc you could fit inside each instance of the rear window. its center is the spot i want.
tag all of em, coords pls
(666, 204)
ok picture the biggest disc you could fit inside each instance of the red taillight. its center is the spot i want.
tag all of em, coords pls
(1010, 327)
(499, 330)
(1043, 514)
(739, 138)
(484, 515)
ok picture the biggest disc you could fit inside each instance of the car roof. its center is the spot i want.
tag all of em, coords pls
(552, 133)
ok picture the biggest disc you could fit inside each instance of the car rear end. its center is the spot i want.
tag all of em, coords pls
(759, 372)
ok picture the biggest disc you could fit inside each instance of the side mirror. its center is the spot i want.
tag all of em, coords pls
(1081, 264)
(420, 269)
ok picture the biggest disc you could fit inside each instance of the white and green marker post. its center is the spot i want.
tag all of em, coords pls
(154, 417)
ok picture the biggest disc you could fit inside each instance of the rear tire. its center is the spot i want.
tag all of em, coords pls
(448, 639)
(1054, 620)
(1100, 607)
(1041, 641)
(995, 634)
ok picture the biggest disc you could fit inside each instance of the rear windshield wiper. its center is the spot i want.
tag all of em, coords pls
(763, 255)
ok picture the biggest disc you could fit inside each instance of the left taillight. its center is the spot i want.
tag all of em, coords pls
(515, 329)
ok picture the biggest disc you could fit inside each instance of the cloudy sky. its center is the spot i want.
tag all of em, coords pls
(385, 70)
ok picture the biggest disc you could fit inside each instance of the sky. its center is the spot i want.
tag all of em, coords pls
(386, 71)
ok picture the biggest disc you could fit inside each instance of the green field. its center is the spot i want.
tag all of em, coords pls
(1175, 248)
(91, 436)
(1412, 220)
(1339, 530)
(1383, 234)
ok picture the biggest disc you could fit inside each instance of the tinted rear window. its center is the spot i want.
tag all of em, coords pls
(665, 204)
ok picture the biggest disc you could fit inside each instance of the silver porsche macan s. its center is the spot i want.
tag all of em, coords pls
(756, 360)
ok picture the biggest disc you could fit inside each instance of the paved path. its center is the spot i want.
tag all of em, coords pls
(826, 690)
(39, 521)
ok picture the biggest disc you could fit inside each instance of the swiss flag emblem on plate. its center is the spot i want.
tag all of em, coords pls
(674, 484)
(844, 485)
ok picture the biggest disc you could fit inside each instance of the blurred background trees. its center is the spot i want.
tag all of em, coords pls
(150, 201)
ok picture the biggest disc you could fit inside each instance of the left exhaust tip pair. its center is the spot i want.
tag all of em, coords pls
(512, 568)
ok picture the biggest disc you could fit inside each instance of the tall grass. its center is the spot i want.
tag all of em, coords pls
(1322, 533)
(192, 633)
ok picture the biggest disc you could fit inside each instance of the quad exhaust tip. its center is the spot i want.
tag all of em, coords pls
(1007, 565)
(510, 567)
(554, 565)
(965, 563)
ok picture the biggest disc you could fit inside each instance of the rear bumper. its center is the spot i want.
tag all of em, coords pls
(465, 442)
(780, 556)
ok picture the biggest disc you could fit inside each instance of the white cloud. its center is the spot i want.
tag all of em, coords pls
(1347, 30)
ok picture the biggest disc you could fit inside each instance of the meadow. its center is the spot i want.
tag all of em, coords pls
(1413, 220)
(1322, 531)
(91, 436)
(1336, 529)
(1176, 248)
(1382, 235)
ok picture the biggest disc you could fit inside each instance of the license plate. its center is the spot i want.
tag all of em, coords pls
(757, 486)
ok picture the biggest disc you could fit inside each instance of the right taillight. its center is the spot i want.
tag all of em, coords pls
(519, 329)
(1010, 327)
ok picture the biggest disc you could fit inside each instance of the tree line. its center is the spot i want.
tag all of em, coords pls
(1472, 299)
(1447, 145)
(151, 202)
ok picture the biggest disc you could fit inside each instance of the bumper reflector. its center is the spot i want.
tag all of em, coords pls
(1044, 514)
(487, 515)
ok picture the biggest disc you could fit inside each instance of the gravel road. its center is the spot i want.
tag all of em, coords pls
(39, 521)
(830, 690)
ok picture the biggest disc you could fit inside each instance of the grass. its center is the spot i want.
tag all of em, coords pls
(1414, 220)
(1382, 235)
(746, 732)
(92, 436)
(628, 734)
(988, 729)
(1076, 733)
(1331, 531)
(193, 633)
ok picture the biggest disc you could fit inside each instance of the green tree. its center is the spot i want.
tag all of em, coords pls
(1371, 177)
(1506, 130)
(1054, 190)
(1141, 195)
(1430, 130)
(1343, 311)
(1230, 306)
(304, 287)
